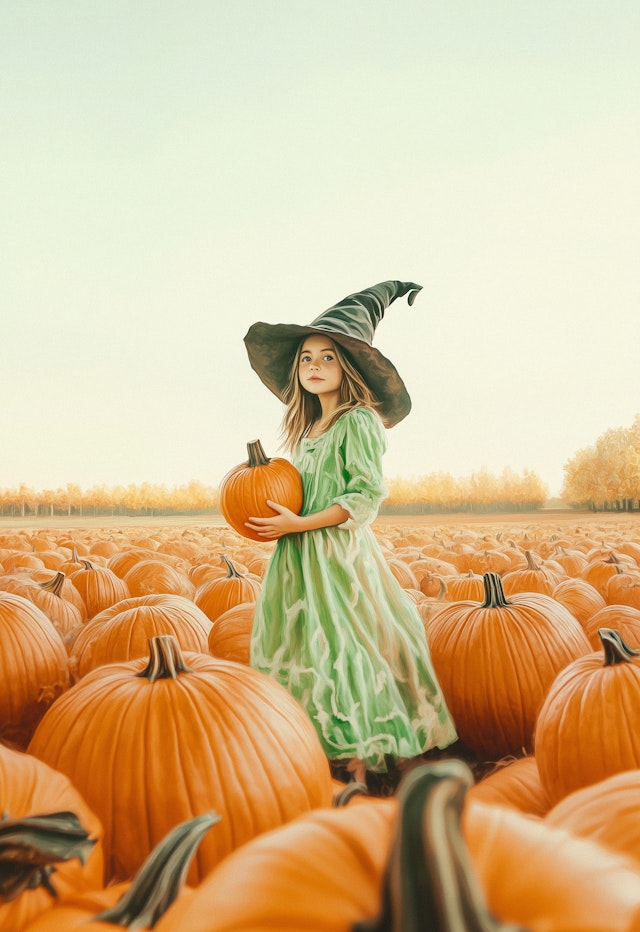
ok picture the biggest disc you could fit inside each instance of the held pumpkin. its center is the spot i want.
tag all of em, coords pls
(244, 491)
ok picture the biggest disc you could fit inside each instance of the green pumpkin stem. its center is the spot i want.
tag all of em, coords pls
(494, 596)
(161, 878)
(166, 661)
(344, 796)
(31, 846)
(256, 454)
(232, 572)
(429, 881)
(616, 650)
(54, 584)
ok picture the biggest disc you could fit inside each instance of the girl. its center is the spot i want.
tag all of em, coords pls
(332, 623)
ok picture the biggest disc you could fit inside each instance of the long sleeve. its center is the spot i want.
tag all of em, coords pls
(360, 455)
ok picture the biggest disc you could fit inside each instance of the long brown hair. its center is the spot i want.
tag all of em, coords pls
(303, 408)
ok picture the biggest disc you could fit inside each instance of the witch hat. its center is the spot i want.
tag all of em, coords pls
(272, 348)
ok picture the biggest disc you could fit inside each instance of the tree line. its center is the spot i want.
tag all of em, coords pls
(437, 492)
(145, 499)
(605, 476)
(482, 491)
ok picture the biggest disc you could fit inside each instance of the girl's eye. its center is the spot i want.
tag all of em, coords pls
(328, 358)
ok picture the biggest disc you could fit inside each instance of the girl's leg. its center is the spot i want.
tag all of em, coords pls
(357, 769)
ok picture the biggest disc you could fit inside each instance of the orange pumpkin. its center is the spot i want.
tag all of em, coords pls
(536, 577)
(470, 586)
(625, 619)
(153, 742)
(495, 661)
(320, 872)
(137, 903)
(606, 812)
(218, 595)
(425, 859)
(29, 787)
(122, 631)
(543, 878)
(148, 577)
(579, 597)
(34, 668)
(587, 728)
(99, 586)
(514, 783)
(230, 634)
(244, 491)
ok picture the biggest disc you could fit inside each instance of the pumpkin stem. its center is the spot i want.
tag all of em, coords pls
(257, 456)
(31, 846)
(54, 584)
(351, 789)
(531, 563)
(231, 570)
(429, 881)
(166, 661)
(161, 878)
(616, 650)
(494, 596)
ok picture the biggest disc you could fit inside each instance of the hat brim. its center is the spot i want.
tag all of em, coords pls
(272, 348)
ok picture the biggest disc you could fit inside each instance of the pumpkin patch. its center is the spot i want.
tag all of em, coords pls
(127, 678)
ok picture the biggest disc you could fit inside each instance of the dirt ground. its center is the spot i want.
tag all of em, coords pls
(551, 518)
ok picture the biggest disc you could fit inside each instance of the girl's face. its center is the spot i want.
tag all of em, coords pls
(319, 371)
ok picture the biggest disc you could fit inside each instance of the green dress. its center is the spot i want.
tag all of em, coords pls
(332, 623)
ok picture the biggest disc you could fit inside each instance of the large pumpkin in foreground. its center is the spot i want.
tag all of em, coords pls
(418, 861)
(244, 491)
(155, 741)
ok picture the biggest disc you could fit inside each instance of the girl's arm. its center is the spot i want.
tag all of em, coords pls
(288, 522)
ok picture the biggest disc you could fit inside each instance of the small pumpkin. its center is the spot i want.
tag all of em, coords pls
(244, 491)
(99, 586)
(218, 595)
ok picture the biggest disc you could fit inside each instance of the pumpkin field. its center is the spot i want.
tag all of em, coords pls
(151, 778)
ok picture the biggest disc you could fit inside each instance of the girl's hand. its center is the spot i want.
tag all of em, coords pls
(284, 522)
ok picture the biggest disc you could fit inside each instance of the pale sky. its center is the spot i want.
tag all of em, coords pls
(173, 171)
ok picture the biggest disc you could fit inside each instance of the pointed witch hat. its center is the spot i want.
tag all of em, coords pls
(351, 324)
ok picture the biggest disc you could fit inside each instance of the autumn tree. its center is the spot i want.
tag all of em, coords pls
(607, 474)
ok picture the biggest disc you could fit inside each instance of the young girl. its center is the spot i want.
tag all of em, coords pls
(332, 623)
